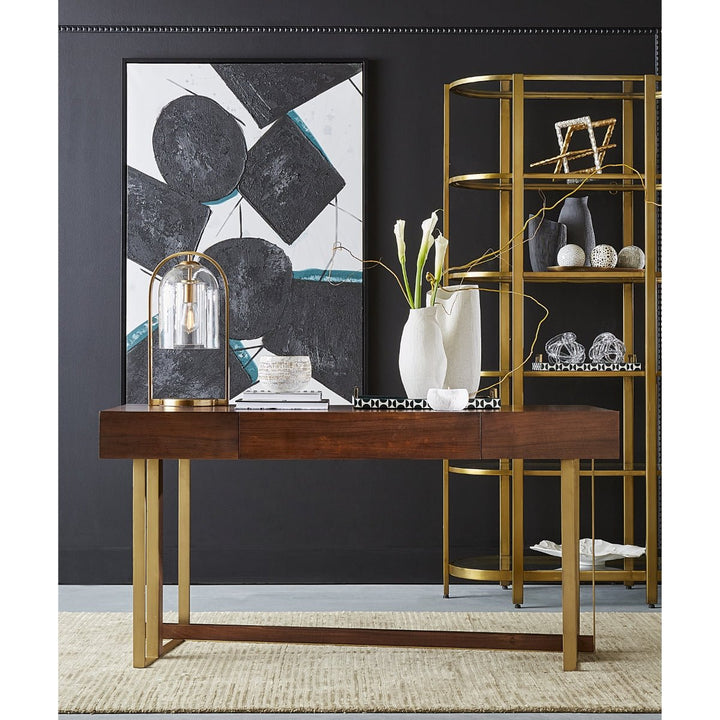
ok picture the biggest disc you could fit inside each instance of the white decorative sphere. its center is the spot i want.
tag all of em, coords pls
(631, 257)
(571, 256)
(603, 256)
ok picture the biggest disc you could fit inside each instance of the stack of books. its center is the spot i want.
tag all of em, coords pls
(266, 400)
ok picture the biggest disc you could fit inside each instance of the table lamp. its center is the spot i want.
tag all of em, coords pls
(188, 317)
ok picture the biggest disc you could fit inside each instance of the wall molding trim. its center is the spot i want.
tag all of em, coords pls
(358, 29)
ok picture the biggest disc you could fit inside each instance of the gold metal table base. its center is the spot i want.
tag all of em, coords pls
(153, 638)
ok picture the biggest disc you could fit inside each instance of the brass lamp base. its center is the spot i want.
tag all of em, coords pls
(189, 402)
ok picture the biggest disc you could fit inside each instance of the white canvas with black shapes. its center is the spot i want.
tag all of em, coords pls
(258, 165)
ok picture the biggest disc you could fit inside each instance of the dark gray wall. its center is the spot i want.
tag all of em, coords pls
(312, 521)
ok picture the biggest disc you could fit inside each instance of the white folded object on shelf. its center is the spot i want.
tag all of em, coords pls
(604, 551)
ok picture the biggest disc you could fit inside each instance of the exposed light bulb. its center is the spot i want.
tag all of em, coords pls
(189, 318)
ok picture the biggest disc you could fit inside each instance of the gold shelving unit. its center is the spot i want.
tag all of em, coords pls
(636, 97)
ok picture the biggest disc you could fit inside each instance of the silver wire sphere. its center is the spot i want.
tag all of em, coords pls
(607, 348)
(565, 348)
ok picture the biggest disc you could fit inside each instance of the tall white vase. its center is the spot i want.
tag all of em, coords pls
(422, 358)
(458, 316)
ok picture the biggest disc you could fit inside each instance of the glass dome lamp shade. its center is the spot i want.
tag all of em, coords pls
(188, 319)
(189, 308)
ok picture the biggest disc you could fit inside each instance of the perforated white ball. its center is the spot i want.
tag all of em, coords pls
(631, 257)
(603, 256)
(571, 256)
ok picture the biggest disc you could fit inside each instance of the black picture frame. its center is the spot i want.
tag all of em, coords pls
(344, 373)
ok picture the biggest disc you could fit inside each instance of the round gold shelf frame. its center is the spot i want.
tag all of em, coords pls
(475, 87)
(512, 93)
(607, 182)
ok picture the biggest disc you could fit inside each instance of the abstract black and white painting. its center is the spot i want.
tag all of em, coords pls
(259, 166)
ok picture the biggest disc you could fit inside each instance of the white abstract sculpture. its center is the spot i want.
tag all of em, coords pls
(448, 399)
(604, 551)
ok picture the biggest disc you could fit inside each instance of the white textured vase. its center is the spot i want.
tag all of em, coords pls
(422, 358)
(459, 319)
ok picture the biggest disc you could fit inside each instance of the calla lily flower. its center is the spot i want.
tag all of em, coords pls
(400, 238)
(427, 230)
(441, 246)
(427, 239)
(426, 242)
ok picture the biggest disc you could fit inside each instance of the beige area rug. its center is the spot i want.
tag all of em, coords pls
(623, 675)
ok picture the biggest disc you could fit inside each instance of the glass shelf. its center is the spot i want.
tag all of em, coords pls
(583, 373)
(616, 275)
(542, 568)
(477, 87)
(544, 472)
(615, 182)
(480, 275)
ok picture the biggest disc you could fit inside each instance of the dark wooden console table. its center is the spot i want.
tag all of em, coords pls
(150, 435)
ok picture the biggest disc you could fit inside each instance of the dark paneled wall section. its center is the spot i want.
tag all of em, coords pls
(314, 521)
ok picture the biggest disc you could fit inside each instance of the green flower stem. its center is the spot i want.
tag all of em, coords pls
(434, 290)
(408, 294)
(422, 257)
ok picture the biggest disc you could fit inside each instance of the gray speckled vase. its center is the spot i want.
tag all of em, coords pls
(546, 237)
(576, 215)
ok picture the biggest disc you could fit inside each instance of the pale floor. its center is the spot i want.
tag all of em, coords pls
(463, 597)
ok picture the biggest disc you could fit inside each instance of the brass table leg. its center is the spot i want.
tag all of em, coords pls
(570, 513)
(139, 519)
(446, 530)
(184, 541)
(518, 535)
(154, 559)
(147, 558)
(505, 510)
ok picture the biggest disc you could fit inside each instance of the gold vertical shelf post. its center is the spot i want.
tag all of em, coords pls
(505, 233)
(628, 290)
(446, 233)
(651, 358)
(516, 339)
(503, 472)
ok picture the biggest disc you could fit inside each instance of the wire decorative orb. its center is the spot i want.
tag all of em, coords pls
(565, 348)
(607, 348)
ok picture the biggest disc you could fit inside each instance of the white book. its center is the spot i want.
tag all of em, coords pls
(282, 405)
(268, 396)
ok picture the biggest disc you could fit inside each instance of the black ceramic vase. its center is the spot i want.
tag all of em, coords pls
(546, 237)
(576, 215)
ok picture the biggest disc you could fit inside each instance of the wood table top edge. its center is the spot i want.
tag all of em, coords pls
(230, 409)
(343, 432)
